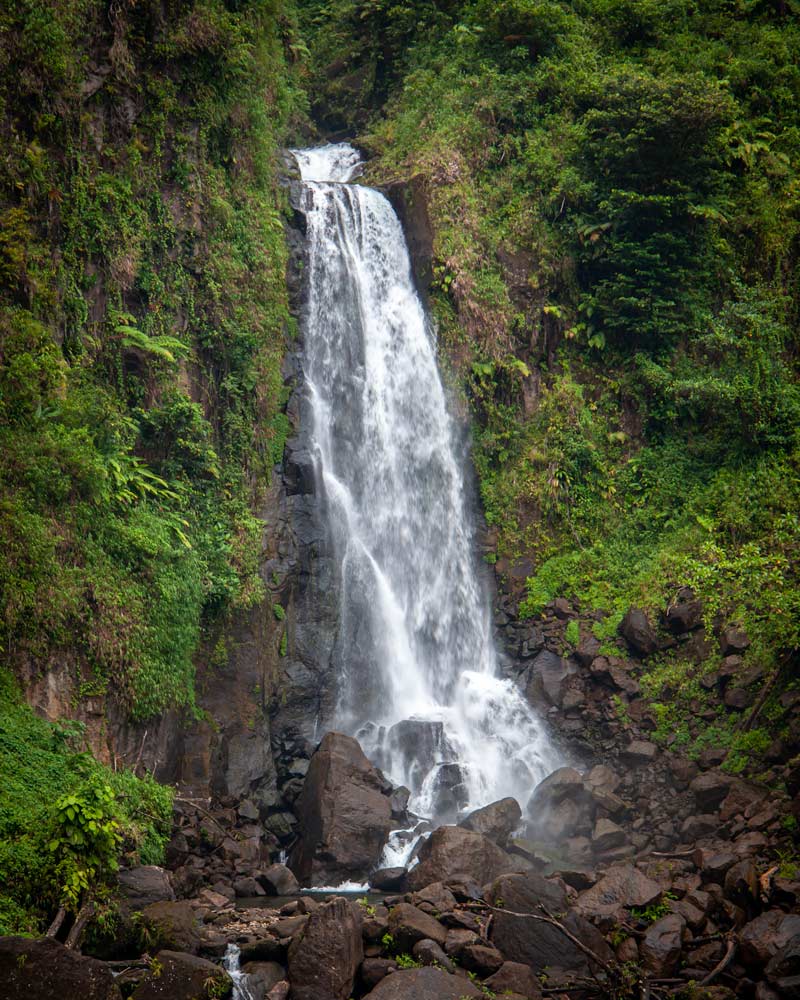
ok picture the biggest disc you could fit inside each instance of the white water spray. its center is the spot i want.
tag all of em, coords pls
(414, 654)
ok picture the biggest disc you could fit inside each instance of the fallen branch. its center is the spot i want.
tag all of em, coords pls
(58, 920)
(722, 965)
(75, 935)
(765, 693)
(671, 854)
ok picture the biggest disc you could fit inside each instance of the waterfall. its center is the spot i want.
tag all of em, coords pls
(414, 655)
(241, 981)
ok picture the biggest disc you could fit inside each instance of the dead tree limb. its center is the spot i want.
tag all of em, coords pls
(75, 935)
(58, 920)
(722, 965)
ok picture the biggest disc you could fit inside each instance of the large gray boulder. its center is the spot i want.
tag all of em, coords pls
(423, 984)
(46, 970)
(183, 977)
(344, 815)
(622, 886)
(532, 942)
(143, 885)
(497, 821)
(324, 958)
(452, 852)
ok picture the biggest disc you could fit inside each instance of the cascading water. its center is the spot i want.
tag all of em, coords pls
(419, 683)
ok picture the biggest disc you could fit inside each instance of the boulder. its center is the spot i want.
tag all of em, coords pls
(452, 852)
(143, 885)
(387, 878)
(373, 970)
(44, 969)
(622, 886)
(248, 887)
(172, 926)
(325, 956)
(480, 959)
(639, 753)
(497, 821)
(764, 937)
(638, 632)
(783, 969)
(424, 984)
(547, 677)
(435, 895)
(344, 815)
(428, 952)
(606, 836)
(515, 977)
(531, 942)
(710, 790)
(561, 806)
(184, 977)
(278, 880)
(741, 884)
(262, 976)
(408, 924)
(733, 641)
(661, 948)
(685, 614)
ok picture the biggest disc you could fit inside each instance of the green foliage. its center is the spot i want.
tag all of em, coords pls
(143, 319)
(572, 633)
(655, 911)
(64, 818)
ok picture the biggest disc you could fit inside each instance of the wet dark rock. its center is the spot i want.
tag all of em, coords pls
(184, 977)
(451, 852)
(783, 969)
(622, 886)
(278, 880)
(661, 948)
(44, 969)
(408, 924)
(534, 943)
(738, 699)
(263, 976)
(547, 677)
(343, 812)
(324, 958)
(588, 649)
(710, 790)
(398, 801)
(733, 641)
(387, 879)
(423, 984)
(248, 887)
(172, 926)
(741, 884)
(419, 743)
(428, 952)
(480, 959)
(638, 632)
(686, 613)
(143, 885)
(435, 895)
(515, 977)
(373, 970)
(496, 821)
(764, 937)
(639, 753)
(606, 836)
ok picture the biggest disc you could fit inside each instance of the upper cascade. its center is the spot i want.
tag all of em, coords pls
(415, 657)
